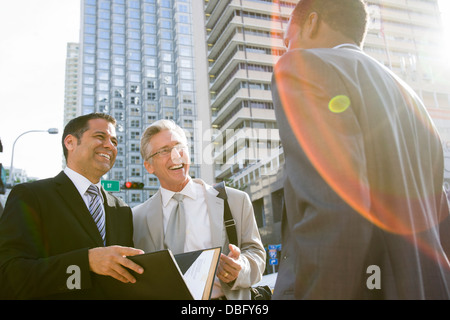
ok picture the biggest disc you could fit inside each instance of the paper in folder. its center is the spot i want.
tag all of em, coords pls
(186, 276)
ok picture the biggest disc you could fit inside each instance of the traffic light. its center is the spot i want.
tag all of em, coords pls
(133, 185)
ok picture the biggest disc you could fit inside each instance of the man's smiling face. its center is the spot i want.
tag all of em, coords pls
(172, 169)
(95, 152)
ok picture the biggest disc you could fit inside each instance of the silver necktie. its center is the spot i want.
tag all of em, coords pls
(176, 227)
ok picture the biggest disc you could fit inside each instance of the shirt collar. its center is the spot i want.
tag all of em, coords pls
(347, 46)
(188, 191)
(81, 182)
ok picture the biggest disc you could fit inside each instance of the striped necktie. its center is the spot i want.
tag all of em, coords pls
(96, 210)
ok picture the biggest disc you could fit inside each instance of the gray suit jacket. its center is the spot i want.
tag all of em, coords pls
(149, 234)
(364, 182)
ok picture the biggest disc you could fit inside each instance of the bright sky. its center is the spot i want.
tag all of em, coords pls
(445, 9)
(33, 39)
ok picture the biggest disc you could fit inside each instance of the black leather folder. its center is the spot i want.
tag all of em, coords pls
(163, 277)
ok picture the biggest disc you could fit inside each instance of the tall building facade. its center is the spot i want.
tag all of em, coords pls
(140, 63)
(71, 82)
(244, 40)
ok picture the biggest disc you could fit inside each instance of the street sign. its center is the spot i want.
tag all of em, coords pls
(111, 185)
(273, 262)
(273, 253)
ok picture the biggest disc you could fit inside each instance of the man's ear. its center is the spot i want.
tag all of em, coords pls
(148, 166)
(70, 141)
(313, 24)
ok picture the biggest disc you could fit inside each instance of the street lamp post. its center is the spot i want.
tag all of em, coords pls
(11, 170)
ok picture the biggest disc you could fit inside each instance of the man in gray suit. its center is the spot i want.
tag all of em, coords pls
(365, 208)
(164, 148)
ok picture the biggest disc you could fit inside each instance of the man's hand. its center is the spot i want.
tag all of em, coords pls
(231, 265)
(110, 261)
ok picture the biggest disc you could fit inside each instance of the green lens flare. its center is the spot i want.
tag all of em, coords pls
(339, 104)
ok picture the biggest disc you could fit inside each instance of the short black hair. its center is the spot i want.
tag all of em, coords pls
(349, 17)
(77, 126)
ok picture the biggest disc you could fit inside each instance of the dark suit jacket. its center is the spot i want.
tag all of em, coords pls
(364, 182)
(45, 228)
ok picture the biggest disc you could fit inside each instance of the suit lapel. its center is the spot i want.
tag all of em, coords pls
(110, 217)
(77, 206)
(215, 210)
(155, 221)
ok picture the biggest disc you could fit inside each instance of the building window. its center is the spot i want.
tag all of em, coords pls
(135, 172)
(134, 100)
(151, 84)
(258, 206)
(135, 88)
(134, 134)
(168, 115)
(187, 98)
(151, 96)
(134, 147)
(135, 160)
(277, 205)
(135, 197)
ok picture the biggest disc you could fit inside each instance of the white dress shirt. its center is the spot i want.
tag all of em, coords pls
(198, 230)
(198, 226)
(82, 184)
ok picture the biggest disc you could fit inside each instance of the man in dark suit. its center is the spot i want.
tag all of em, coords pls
(364, 174)
(51, 247)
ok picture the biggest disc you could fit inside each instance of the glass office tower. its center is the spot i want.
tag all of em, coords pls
(137, 64)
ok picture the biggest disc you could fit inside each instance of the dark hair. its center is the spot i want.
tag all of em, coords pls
(79, 125)
(349, 17)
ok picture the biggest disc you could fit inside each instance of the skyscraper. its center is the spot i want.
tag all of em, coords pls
(71, 82)
(139, 64)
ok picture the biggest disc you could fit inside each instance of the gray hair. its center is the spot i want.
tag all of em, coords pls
(155, 128)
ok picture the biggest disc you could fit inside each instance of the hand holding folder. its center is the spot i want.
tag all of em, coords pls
(186, 276)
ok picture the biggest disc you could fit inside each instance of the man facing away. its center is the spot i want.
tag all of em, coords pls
(366, 216)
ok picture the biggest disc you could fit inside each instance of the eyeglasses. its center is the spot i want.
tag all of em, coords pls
(166, 151)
